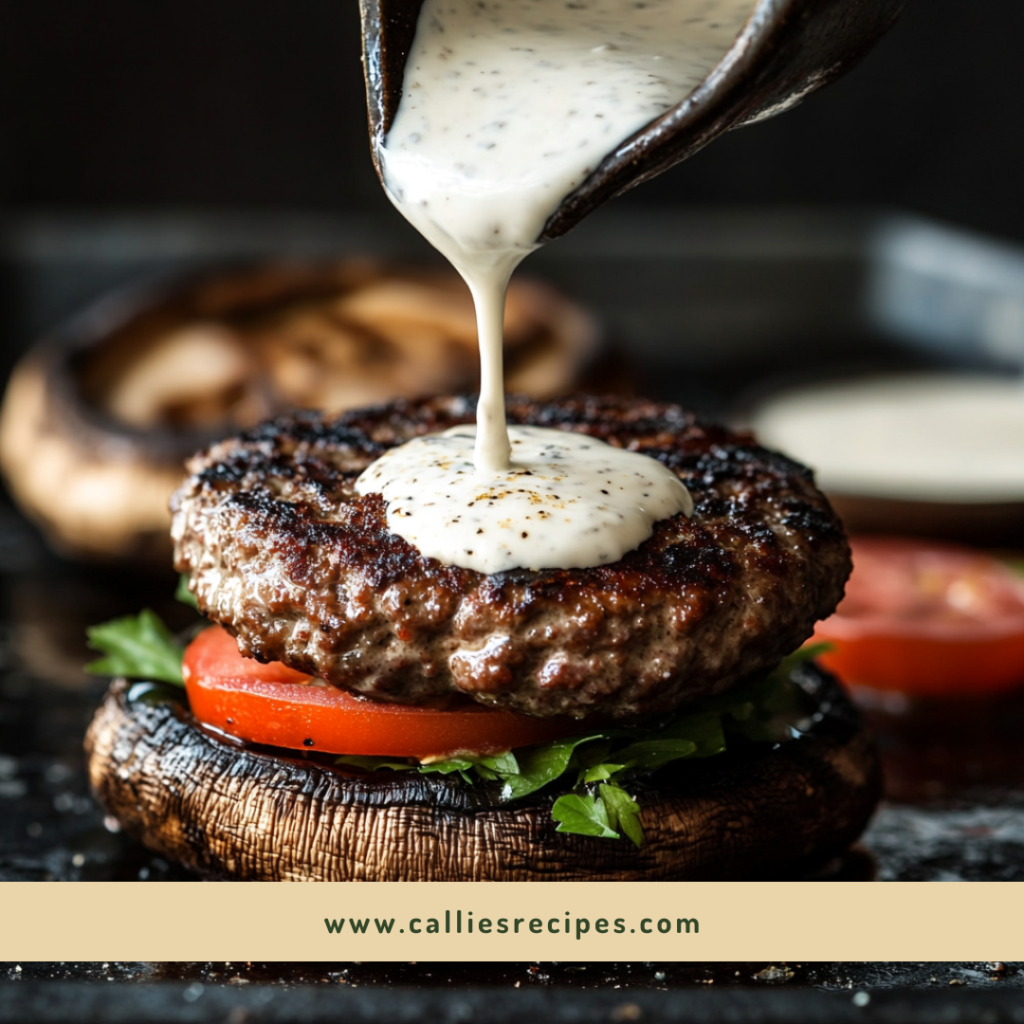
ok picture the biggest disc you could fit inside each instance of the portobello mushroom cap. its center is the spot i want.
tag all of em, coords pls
(759, 811)
(99, 417)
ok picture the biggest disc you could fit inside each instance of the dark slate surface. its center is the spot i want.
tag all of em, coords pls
(509, 993)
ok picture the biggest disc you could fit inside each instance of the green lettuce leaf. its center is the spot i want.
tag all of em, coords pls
(540, 765)
(649, 755)
(600, 772)
(138, 647)
(490, 768)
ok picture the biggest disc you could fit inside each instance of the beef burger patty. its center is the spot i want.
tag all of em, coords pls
(282, 551)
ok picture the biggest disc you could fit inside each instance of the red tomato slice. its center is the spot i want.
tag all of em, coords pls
(277, 706)
(927, 618)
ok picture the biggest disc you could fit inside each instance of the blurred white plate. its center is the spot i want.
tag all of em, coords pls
(948, 438)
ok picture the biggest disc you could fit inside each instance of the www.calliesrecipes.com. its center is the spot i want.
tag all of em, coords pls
(464, 923)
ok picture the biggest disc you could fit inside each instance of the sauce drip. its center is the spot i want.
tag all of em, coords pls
(507, 107)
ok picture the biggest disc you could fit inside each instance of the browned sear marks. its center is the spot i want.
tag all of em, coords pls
(282, 551)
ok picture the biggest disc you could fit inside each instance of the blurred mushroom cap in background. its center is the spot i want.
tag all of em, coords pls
(99, 417)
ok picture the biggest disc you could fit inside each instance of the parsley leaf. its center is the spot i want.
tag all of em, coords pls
(623, 812)
(138, 647)
(583, 815)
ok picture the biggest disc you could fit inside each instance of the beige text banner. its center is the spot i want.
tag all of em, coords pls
(504, 921)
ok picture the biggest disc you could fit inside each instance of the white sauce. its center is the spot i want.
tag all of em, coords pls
(507, 107)
(931, 437)
(566, 501)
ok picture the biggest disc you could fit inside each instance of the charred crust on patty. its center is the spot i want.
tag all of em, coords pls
(282, 552)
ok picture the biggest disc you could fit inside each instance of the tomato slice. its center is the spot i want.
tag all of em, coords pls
(277, 706)
(927, 618)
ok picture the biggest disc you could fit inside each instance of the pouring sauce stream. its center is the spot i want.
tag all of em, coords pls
(507, 106)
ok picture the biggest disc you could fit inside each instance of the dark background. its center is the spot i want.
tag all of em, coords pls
(258, 104)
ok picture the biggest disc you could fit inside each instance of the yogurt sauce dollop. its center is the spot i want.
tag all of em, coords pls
(507, 106)
(566, 500)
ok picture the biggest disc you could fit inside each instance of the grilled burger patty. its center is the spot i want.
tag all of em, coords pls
(283, 553)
